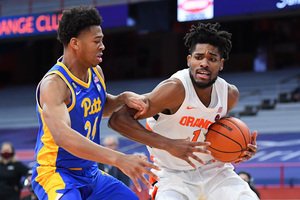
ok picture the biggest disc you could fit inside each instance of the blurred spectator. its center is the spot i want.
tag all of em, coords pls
(296, 94)
(112, 142)
(260, 61)
(247, 177)
(296, 91)
(11, 172)
(27, 184)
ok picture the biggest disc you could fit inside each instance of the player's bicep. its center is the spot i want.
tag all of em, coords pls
(233, 96)
(53, 95)
(168, 95)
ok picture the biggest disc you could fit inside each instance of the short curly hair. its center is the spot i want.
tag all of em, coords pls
(75, 20)
(209, 34)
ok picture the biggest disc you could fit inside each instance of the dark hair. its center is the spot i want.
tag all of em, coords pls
(75, 20)
(209, 34)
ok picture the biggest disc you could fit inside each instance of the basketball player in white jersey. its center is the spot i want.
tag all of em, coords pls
(182, 108)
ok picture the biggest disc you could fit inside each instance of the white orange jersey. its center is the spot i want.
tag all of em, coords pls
(191, 120)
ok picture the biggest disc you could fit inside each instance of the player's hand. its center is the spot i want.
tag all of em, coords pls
(137, 102)
(135, 166)
(252, 149)
(185, 149)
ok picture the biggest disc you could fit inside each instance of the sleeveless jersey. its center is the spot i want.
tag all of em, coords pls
(85, 110)
(192, 120)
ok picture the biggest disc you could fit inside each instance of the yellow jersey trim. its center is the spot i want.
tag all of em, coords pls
(77, 80)
(70, 87)
(100, 77)
(48, 159)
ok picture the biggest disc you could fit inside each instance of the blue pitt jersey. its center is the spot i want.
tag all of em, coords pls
(85, 110)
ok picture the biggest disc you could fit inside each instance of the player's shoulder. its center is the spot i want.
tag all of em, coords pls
(232, 89)
(233, 96)
(167, 90)
(173, 83)
(52, 82)
(53, 78)
(100, 71)
(173, 80)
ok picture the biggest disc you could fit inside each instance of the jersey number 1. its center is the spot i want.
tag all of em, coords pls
(196, 135)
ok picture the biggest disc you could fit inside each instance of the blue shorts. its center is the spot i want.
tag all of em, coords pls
(49, 183)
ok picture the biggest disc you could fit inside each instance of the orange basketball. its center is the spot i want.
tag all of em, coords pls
(229, 137)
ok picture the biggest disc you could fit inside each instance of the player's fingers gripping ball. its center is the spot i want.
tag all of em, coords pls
(229, 138)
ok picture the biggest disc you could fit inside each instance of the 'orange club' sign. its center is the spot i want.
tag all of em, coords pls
(28, 25)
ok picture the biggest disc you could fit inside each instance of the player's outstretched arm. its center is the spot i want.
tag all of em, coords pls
(114, 102)
(168, 95)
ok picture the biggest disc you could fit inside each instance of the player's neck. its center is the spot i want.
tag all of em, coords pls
(204, 95)
(75, 67)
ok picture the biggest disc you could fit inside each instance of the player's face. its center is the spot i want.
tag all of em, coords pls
(91, 47)
(205, 64)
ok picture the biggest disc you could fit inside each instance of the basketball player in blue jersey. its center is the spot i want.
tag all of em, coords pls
(71, 100)
(182, 108)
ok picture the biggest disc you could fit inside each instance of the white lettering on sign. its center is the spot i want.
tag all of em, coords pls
(283, 3)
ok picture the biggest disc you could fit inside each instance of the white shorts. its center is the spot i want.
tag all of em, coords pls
(214, 181)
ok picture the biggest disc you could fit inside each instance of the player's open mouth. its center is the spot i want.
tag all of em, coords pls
(99, 58)
(203, 74)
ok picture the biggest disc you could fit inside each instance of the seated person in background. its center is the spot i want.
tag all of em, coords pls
(247, 177)
(11, 172)
(27, 184)
(296, 91)
(296, 94)
(112, 142)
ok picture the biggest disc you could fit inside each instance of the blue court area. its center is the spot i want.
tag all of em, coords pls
(277, 162)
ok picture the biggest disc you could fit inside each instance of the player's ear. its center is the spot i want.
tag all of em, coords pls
(74, 43)
(222, 64)
(188, 58)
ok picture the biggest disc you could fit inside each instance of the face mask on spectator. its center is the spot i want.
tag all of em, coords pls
(6, 155)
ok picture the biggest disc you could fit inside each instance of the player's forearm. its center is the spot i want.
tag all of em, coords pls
(112, 103)
(81, 147)
(124, 123)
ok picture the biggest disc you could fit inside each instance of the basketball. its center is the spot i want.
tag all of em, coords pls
(229, 137)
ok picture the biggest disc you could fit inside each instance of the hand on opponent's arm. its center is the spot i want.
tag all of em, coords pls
(133, 100)
(124, 121)
(137, 102)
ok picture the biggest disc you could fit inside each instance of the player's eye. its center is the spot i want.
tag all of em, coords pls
(198, 57)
